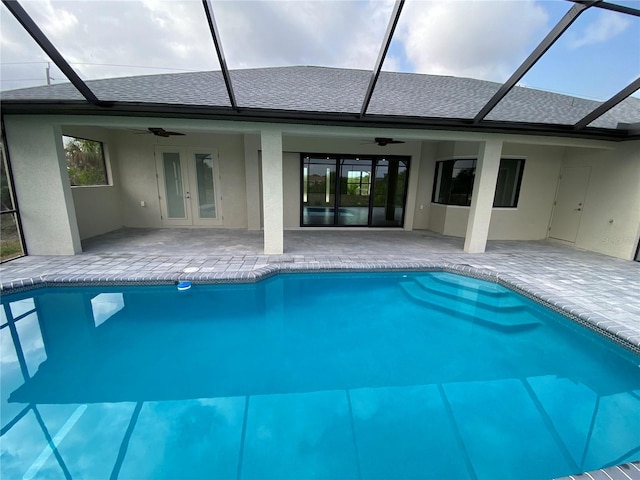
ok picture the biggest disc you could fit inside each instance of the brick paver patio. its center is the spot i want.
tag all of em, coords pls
(595, 289)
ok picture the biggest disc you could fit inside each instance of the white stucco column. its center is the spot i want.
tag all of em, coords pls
(484, 189)
(252, 180)
(42, 186)
(272, 191)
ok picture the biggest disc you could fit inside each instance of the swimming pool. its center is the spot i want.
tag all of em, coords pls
(385, 375)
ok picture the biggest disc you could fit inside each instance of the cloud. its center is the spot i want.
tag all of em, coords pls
(478, 39)
(55, 21)
(604, 28)
(17, 47)
(104, 39)
(99, 38)
(325, 33)
(484, 39)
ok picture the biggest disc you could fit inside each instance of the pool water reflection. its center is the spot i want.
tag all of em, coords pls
(308, 376)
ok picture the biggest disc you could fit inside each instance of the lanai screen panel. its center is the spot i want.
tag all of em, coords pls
(309, 35)
(464, 51)
(24, 64)
(460, 40)
(106, 40)
(594, 59)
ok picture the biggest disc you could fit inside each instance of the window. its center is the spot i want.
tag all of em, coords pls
(454, 179)
(508, 185)
(454, 182)
(85, 161)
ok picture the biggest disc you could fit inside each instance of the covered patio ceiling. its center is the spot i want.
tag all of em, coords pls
(480, 121)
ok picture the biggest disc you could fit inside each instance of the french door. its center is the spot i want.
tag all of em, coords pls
(188, 185)
(349, 190)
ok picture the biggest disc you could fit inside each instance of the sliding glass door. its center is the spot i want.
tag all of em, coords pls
(389, 188)
(355, 192)
(349, 190)
(318, 191)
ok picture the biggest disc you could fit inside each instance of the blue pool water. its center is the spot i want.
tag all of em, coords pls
(336, 376)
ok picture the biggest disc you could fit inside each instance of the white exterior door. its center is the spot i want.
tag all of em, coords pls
(569, 204)
(188, 185)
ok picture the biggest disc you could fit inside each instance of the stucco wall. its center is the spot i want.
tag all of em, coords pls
(437, 218)
(530, 220)
(455, 223)
(55, 216)
(137, 171)
(291, 178)
(423, 204)
(446, 150)
(253, 181)
(98, 208)
(612, 194)
(353, 146)
(42, 186)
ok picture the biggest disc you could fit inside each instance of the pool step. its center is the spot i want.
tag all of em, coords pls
(511, 322)
(458, 282)
(502, 302)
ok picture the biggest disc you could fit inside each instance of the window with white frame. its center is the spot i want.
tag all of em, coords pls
(86, 163)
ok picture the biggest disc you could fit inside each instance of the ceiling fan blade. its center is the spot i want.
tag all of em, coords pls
(383, 141)
(161, 132)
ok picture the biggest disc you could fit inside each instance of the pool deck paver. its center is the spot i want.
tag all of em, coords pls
(601, 292)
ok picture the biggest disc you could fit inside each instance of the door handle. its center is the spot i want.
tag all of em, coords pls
(187, 195)
(578, 209)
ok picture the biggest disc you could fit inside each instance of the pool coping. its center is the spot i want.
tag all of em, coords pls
(593, 321)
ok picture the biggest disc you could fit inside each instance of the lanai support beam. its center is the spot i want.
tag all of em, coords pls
(41, 39)
(391, 27)
(555, 33)
(484, 190)
(611, 7)
(215, 35)
(608, 105)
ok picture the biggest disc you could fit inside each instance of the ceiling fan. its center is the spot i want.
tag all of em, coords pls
(384, 141)
(160, 132)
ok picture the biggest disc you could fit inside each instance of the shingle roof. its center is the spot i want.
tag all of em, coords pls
(320, 89)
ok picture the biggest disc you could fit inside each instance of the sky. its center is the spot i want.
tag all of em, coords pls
(484, 39)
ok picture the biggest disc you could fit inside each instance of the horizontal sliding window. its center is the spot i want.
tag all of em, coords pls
(453, 182)
(86, 164)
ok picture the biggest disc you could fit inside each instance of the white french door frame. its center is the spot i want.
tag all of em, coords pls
(181, 202)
